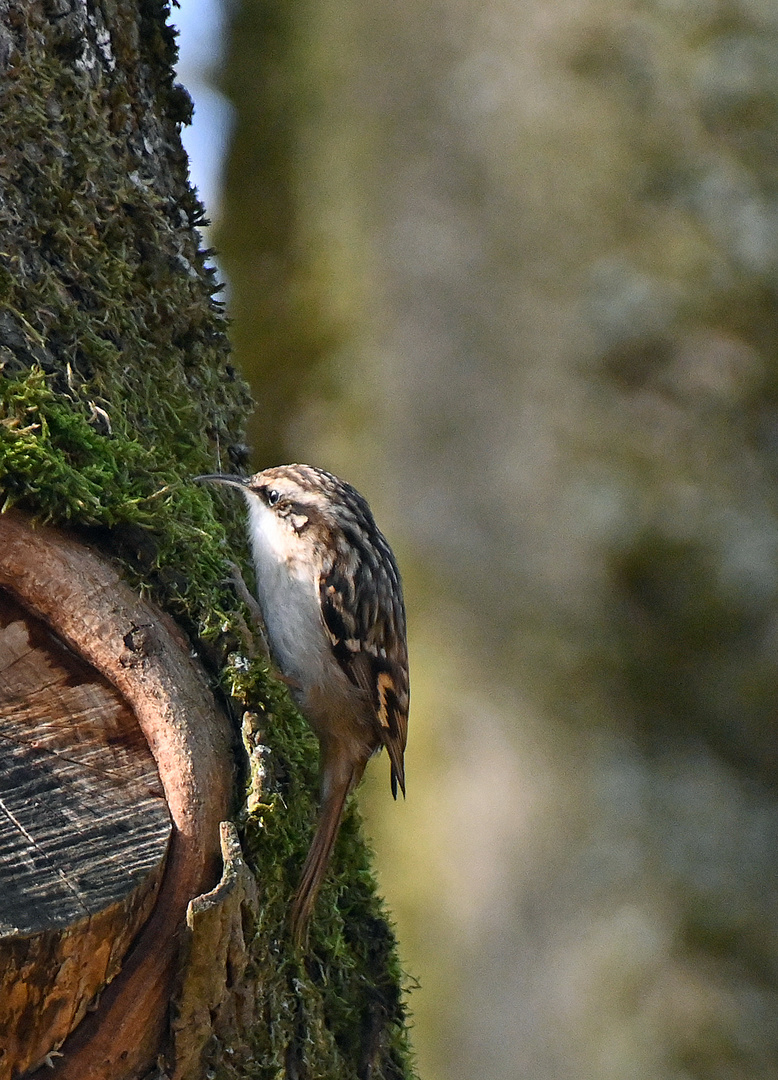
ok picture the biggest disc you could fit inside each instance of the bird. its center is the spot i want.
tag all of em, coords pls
(331, 599)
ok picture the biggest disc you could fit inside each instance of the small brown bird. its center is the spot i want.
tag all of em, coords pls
(332, 603)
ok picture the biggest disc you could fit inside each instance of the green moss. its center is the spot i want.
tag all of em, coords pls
(115, 387)
(342, 1003)
(344, 999)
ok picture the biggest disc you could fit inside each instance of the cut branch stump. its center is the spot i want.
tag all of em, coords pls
(115, 771)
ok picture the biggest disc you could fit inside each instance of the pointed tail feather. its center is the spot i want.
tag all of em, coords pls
(394, 749)
(318, 855)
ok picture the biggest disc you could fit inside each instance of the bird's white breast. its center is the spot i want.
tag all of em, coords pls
(288, 593)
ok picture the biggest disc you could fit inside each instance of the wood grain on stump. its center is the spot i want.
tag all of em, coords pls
(114, 775)
(84, 830)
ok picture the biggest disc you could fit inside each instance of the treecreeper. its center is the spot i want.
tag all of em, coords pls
(332, 603)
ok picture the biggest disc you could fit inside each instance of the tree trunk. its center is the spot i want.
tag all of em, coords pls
(556, 263)
(117, 761)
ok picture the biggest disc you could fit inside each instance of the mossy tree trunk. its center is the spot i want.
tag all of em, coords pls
(115, 387)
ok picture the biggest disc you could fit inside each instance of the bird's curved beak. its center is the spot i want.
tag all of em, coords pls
(223, 478)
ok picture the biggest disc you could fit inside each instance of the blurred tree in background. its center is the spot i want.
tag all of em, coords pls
(512, 269)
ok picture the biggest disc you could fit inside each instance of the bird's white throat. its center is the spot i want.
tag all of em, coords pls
(288, 594)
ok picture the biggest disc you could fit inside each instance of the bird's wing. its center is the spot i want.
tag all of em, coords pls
(363, 612)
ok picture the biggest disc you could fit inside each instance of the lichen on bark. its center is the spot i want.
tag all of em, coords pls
(115, 387)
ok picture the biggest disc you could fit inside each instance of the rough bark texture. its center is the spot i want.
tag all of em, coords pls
(82, 599)
(73, 748)
(115, 387)
(217, 998)
(84, 832)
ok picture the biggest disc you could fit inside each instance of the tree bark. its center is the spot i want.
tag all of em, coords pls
(115, 387)
(146, 671)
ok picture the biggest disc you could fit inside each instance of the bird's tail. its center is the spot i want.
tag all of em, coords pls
(333, 801)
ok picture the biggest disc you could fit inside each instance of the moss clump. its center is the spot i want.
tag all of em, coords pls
(339, 1011)
(115, 381)
(342, 1006)
(115, 387)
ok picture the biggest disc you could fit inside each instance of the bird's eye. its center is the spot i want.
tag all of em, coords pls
(272, 496)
